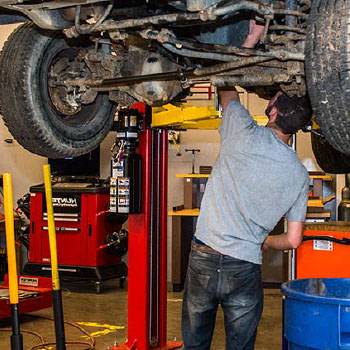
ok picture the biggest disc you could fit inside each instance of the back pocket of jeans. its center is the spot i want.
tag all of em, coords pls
(246, 289)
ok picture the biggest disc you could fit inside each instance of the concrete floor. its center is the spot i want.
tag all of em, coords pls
(110, 308)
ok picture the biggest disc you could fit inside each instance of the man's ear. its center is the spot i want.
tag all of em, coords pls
(273, 114)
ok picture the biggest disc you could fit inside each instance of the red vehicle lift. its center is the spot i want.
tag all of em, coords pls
(147, 276)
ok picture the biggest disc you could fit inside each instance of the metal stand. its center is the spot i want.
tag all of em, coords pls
(59, 321)
(193, 151)
(147, 281)
(16, 337)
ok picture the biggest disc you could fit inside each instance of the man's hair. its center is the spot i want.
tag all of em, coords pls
(294, 113)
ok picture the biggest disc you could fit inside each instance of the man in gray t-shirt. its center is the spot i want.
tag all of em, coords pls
(256, 180)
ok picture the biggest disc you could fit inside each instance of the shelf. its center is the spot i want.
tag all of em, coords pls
(315, 203)
(195, 212)
(337, 226)
(201, 176)
(321, 177)
(320, 215)
(184, 212)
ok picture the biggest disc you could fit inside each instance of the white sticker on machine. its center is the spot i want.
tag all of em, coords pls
(29, 281)
(323, 245)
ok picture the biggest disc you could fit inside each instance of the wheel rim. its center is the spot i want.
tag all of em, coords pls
(67, 119)
(65, 100)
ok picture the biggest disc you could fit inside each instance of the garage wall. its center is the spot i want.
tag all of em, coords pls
(25, 167)
(304, 151)
(5, 32)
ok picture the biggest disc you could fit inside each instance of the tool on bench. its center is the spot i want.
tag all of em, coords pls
(193, 151)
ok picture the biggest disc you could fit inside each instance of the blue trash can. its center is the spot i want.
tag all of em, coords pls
(317, 314)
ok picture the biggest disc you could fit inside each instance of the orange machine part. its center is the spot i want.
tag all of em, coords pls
(331, 263)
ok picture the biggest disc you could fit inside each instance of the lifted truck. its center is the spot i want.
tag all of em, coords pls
(64, 71)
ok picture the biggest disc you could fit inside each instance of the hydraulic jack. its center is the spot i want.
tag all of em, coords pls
(147, 271)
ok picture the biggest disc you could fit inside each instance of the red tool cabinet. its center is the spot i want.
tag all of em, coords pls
(82, 221)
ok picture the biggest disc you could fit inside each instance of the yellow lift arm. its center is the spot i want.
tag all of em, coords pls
(187, 116)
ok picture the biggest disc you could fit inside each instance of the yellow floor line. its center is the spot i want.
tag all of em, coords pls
(106, 328)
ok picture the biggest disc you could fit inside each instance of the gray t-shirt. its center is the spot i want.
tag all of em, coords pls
(256, 180)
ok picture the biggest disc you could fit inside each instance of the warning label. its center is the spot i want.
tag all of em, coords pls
(29, 281)
(323, 245)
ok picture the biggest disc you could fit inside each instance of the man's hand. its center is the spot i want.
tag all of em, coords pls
(290, 240)
(254, 35)
(264, 246)
(226, 96)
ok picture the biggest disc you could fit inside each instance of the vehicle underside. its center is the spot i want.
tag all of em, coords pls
(180, 42)
(91, 53)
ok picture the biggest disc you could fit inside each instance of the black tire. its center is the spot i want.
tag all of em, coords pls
(327, 64)
(25, 102)
(329, 159)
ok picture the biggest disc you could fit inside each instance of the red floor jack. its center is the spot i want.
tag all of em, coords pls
(147, 278)
(34, 294)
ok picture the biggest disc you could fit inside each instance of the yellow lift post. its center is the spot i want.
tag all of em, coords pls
(16, 337)
(56, 289)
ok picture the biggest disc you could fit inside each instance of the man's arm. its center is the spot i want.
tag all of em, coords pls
(253, 37)
(290, 240)
(227, 96)
(255, 32)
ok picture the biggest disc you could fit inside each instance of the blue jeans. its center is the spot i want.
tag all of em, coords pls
(214, 279)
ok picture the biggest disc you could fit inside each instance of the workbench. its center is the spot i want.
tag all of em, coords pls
(183, 227)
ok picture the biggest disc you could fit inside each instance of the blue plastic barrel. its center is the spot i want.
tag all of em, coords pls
(317, 314)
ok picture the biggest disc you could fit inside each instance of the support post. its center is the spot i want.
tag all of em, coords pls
(16, 337)
(147, 271)
(56, 289)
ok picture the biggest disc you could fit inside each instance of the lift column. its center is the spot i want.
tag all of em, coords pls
(147, 275)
